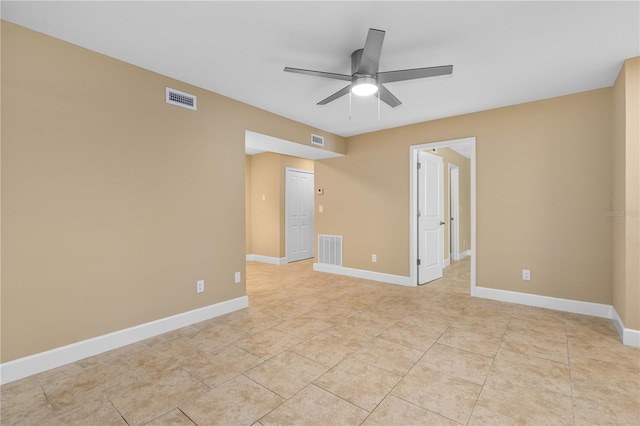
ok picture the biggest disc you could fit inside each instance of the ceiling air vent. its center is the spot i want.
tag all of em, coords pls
(181, 99)
(317, 140)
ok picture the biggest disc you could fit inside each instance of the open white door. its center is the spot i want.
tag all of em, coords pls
(299, 215)
(430, 217)
(454, 211)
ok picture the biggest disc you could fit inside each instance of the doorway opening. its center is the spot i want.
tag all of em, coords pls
(268, 161)
(467, 145)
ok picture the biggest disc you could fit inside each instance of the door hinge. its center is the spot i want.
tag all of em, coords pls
(418, 262)
(419, 165)
(420, 213)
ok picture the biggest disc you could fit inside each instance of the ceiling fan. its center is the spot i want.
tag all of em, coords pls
(365, 79)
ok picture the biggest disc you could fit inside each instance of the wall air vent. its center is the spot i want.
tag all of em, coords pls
(317, 140)
(181, 99)
(330, 249)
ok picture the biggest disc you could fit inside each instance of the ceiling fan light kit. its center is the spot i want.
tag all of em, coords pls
(365, 80)
(364, 86)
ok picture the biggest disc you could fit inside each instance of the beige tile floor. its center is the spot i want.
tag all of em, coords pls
(322, 349)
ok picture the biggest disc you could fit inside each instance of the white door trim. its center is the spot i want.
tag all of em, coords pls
(413, 203)
(286, 213)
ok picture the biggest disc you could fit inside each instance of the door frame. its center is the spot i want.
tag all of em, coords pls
(454, 219)
(286, 212)
(413, 204)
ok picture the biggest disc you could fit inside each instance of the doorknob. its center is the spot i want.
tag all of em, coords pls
(441, 223)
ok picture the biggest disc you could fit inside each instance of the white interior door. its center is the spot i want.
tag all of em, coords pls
(430, 217)
(454, 210)
(299, 215)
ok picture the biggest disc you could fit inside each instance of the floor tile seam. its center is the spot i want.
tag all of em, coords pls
(378, 367)
(264, 359)
(610, 364)
(118, 411)
(297, 337)
(317, 362)
(338, 396)
(475, 404)
(424, 408)
(461, 349)
(493, 360)
(183, 368)
(269, 390)
(622, 393)
(185, 414)
(538, 388)
(533, 356)
(265, 387)
(175, 407)
(407, 346)
(295, 353)
(49, 402)
(415, 364)
(543, 358)
(453, 325)
(571, 381)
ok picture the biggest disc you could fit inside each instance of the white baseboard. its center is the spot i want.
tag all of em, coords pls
(565, 305)
(446, 262)
(464, 254)
(267, 259)
(37, 363)
(361, 273)
(629, 336)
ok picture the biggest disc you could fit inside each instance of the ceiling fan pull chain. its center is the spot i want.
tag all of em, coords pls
(379, 107)
(349, 106)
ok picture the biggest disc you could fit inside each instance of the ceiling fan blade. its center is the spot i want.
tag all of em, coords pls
(323, 74)
(371, 52)
(387, 97)
(412, 74)
(335, 96)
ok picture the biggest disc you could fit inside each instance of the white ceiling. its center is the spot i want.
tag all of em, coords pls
(503, 53)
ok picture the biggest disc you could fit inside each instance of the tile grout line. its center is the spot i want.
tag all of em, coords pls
(573, 410)
(493, 360)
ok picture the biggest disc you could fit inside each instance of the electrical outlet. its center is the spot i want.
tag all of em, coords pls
(526, 275)
(199, 286)
(237, 277)
(374, 257)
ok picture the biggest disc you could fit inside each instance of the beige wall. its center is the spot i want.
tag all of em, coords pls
(449, 156)
(542, 214)
(265, 204)
(113, 202)
(626, 194)
(267, 224)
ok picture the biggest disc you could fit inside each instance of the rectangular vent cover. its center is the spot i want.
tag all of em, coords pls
(181, 99)
(330, 249)
(317, 140)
